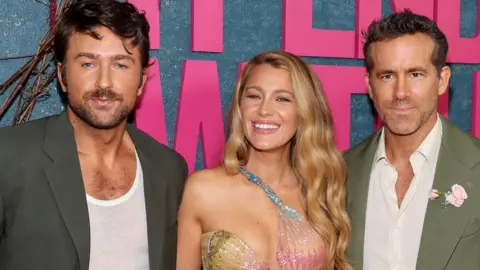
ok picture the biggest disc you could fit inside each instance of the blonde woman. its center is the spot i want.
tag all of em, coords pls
(278, 200)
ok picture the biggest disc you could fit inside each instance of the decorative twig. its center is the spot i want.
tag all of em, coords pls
(40, 2)
(33, 79)
(15, 57)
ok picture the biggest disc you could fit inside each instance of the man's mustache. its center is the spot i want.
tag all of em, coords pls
(401, 102)
(103, 93)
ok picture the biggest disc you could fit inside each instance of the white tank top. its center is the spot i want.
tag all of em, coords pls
(118, 230)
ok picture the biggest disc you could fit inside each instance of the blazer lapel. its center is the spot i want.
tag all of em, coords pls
(359, 168)
(65, 178)
(443, 226)
(156, 203)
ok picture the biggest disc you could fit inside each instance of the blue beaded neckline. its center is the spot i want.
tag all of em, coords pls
(284, 209)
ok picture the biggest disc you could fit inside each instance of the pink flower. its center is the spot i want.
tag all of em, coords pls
(432, 194)
(459, 192)
(457, 196)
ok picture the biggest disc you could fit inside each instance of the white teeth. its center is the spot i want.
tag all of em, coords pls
(266, 126)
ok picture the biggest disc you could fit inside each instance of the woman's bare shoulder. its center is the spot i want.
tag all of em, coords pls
(207, 182)
(208, 176)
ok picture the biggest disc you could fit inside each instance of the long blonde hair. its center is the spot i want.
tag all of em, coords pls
(314, 157)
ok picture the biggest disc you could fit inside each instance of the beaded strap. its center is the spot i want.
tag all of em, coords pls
(285, 210)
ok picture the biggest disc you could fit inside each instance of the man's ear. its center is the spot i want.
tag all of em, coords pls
(367, 83)
(61, 75)
(142, 82)
(444, 80)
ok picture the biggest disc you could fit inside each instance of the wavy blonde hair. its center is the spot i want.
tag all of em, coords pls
(314, 157)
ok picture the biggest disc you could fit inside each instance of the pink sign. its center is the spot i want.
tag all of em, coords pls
(150, 115)
(300, 38)
(462, 50)
(367, 11)
(199, 113)
(339, 90)
(207, 21)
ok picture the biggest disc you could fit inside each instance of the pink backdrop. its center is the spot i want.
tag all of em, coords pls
(199, 110)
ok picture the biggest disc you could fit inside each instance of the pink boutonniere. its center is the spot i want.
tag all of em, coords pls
(456, 196)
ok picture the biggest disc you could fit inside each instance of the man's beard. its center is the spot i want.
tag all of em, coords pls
(84, 112)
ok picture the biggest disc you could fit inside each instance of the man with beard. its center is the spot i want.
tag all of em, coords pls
(413, 187)
(84, 189)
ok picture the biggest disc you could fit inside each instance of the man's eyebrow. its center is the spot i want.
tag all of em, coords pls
(86, 55)
(114, 57)
(122, 57)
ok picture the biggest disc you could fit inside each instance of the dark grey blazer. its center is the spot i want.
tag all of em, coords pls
(44, 221)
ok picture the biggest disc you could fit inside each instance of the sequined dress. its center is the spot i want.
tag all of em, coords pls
(298, 243)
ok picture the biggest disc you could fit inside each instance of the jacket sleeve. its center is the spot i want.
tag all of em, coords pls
(2, 219)
(182, 182)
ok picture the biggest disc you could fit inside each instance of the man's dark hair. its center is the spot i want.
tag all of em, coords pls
(123, 19)
(405, 23)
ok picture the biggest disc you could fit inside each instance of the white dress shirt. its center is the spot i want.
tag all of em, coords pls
(392, 233)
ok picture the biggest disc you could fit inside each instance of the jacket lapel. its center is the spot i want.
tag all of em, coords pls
(156, 203)
(65, 178)
(443, 226)
(359, 167)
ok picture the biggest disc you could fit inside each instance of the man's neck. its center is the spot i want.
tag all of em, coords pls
(401, 147)
(103, 144)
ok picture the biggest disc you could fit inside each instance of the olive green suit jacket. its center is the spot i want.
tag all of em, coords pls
(44, 223)
(451, 236)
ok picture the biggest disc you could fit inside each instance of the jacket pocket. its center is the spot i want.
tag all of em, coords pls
(472, 227)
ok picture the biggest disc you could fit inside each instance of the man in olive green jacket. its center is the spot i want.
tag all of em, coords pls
(413, 186)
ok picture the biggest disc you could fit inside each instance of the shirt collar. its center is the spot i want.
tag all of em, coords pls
(428, 148)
